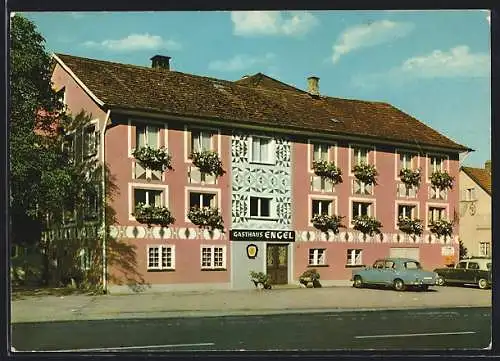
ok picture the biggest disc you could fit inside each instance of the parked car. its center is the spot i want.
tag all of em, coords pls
(398, 273)
(467, 271)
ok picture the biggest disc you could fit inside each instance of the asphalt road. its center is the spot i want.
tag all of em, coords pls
(444, 328)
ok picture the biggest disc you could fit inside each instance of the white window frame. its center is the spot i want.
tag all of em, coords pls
(202, 134)
(333, 207)
(188, 190)
(431, 166)
(354, 257)
(160, 248)
(371, 156)
(85, 255)
(188, 135)
(202, 195)
(212, 257)
(470, 194)
(371, 209)
(415, 213)
(271, 158)
(331, 152)
(484, 249)
(145, 186)
(435, 205)
(414, 160)
(318, 257)
(147, 127)
(93, 129)
(271, 207)
(134, 122)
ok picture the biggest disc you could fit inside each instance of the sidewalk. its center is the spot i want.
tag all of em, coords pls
(247, 302)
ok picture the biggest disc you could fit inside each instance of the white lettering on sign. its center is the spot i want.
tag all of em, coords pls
(447, 251)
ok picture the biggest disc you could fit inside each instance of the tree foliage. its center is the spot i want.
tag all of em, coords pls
(38, 178)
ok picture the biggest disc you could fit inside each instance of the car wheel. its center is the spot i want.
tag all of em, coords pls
(260, 285)
(358, 282)
(482, 283)
(440, 281)
(399, 285)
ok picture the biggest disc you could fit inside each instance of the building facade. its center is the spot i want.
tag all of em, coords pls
(475, 210)
(267, 135)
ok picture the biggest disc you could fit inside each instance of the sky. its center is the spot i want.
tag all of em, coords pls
(433, 65)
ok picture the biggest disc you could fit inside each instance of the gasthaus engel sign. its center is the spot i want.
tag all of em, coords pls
(261, 235)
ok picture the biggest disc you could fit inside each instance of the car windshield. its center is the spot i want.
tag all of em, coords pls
(412, 265)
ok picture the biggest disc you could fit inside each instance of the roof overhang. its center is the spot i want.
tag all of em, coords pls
(77, 80)
(231, 123)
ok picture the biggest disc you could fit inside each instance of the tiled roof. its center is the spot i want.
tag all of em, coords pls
(258, 100)
(481, 176)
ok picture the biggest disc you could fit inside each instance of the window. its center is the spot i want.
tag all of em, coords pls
(484, 249)
(260, 207)
(261, 150)
(147, 135)
(213, 257)
(91, 207)
(161, 257)
(469, 194)
(201, 140)
(462, 265)
(360, 156)
(354, 257)
(320, 152)
(406, 161)
(361, 209)
(317, 256)
(436, 213)
(406, 211)
(85, 259)
(200, 200)
(435, 164)
(69, 147)
(322, 206)
(61, 96)
(151, 197)
(90, 141)
(389, 264)
(412, 265)
(473, 265)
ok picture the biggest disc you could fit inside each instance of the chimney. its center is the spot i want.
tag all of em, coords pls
(313, 85)
(161, 62)
(487, 166)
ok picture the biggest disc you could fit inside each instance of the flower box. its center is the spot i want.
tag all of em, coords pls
(328, 170)
(410, 226)
(260, 280)
(441, 227)
(156, 159)
(310, 278)
(366, 173)
(324, 222)
(410, 177)
(208, 162)
(149, 215)
(442, 180)
(367, 225)
(206, 217)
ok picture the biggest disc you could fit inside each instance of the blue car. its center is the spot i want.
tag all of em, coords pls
(398, 273)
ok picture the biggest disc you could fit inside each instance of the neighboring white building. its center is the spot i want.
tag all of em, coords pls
(475, 210)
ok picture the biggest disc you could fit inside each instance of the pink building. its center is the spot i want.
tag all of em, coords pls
(267, 135)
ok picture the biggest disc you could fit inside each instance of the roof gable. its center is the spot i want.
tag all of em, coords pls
(480, 176)
(257, 100)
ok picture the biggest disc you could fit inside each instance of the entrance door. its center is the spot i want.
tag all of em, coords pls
(277, 263)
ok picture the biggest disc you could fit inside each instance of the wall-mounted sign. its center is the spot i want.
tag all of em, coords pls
(252, 251)
(259, 235)
(447, 250)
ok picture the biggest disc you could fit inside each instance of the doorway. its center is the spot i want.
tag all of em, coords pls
(277, 263)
